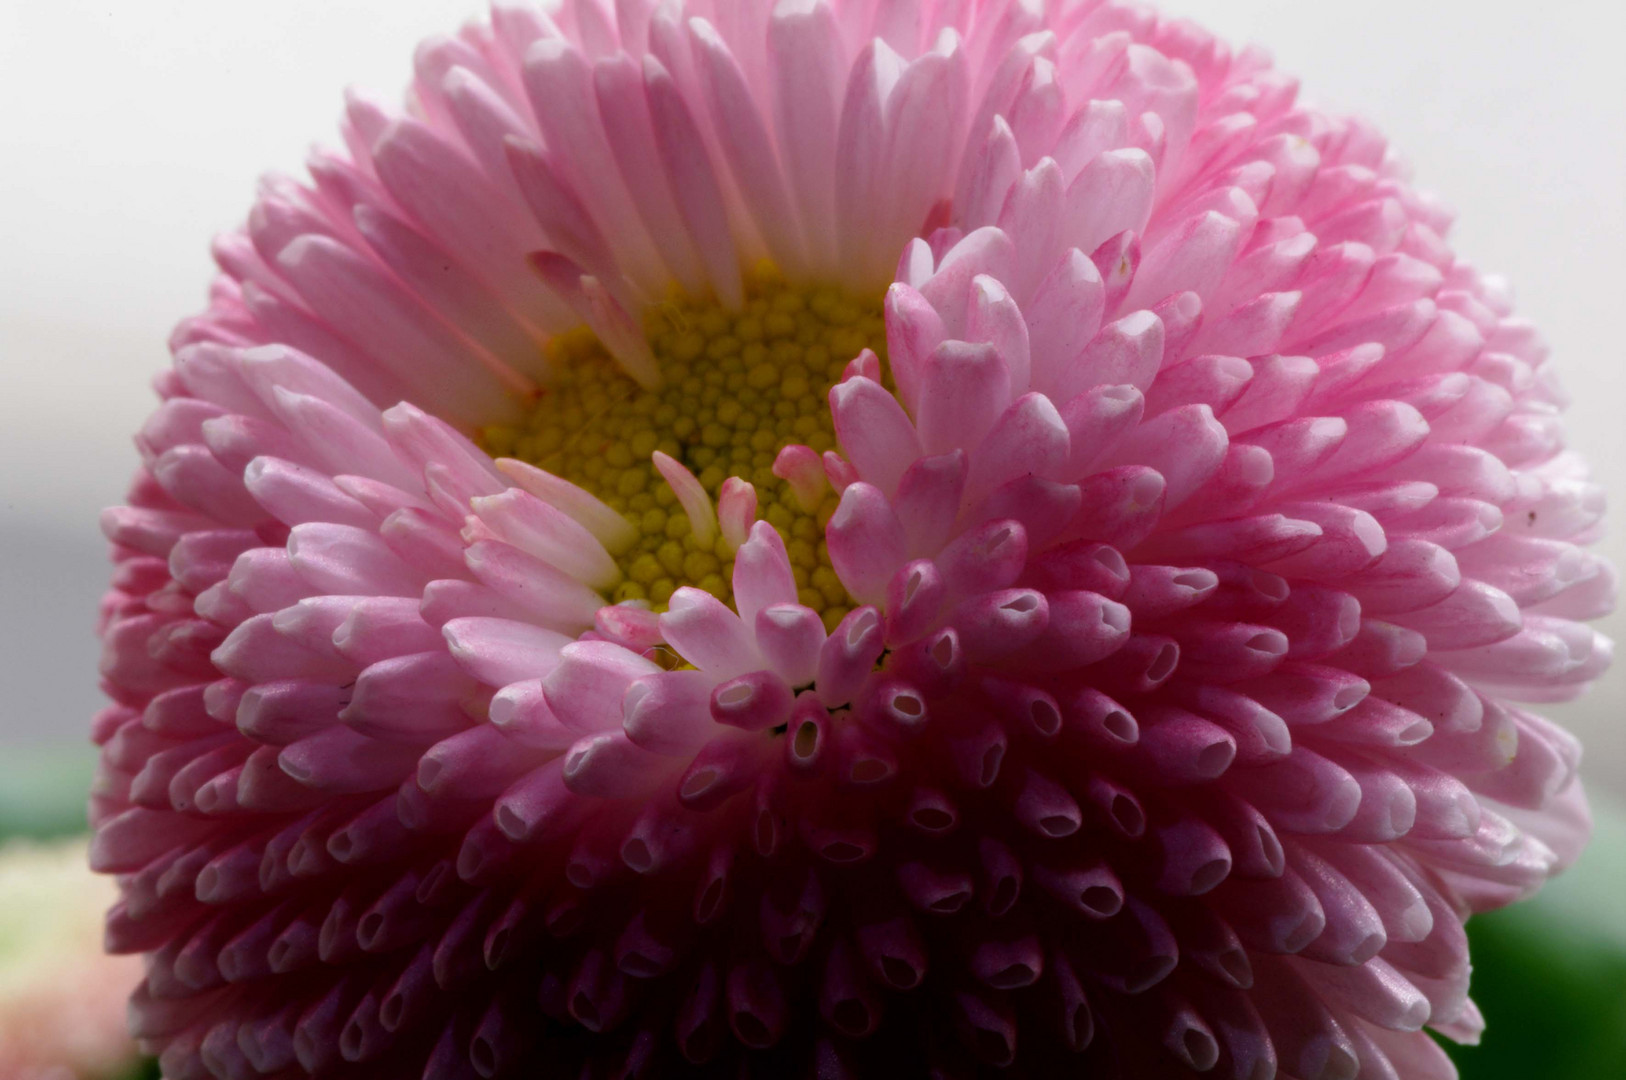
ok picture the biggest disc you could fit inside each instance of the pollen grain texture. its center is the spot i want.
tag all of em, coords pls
(736, 388)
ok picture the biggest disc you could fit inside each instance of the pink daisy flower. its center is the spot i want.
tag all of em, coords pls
(846, 539)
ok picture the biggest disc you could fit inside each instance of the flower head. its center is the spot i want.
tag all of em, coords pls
(847, 538)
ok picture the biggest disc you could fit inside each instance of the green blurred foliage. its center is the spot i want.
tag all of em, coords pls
(1550, 974)
(42, 790)
(147, 1070)
(1554, 1002)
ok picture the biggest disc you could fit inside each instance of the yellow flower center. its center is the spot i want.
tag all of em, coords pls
(736, 388)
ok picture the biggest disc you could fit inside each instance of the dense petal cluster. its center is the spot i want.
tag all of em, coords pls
(1152, 703)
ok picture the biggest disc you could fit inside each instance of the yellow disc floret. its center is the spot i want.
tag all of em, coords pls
(736, 388)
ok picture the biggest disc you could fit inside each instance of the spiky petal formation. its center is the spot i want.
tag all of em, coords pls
(1153, 703)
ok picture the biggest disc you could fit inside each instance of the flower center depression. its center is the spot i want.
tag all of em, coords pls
(742, 394)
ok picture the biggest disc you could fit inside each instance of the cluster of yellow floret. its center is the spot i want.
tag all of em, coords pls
(736, 387)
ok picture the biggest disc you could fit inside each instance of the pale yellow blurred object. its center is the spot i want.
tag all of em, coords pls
(61, 998)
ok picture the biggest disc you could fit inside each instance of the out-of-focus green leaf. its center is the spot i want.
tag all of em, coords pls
(42, 790)
(146, 1070)
(1550, 974)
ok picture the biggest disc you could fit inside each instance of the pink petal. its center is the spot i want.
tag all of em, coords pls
(708, 634)
(876, 435)
(866, 542)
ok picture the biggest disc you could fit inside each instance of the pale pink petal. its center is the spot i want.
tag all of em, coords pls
(866, 541)
(875, 434)
(762, 573)
(707, 634)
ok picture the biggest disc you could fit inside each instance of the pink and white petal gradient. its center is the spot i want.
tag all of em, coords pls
(1211, 556)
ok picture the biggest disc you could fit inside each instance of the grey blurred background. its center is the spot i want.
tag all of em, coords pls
(135, 130)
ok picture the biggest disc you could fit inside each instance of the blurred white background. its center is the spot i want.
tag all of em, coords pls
(135, 129)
